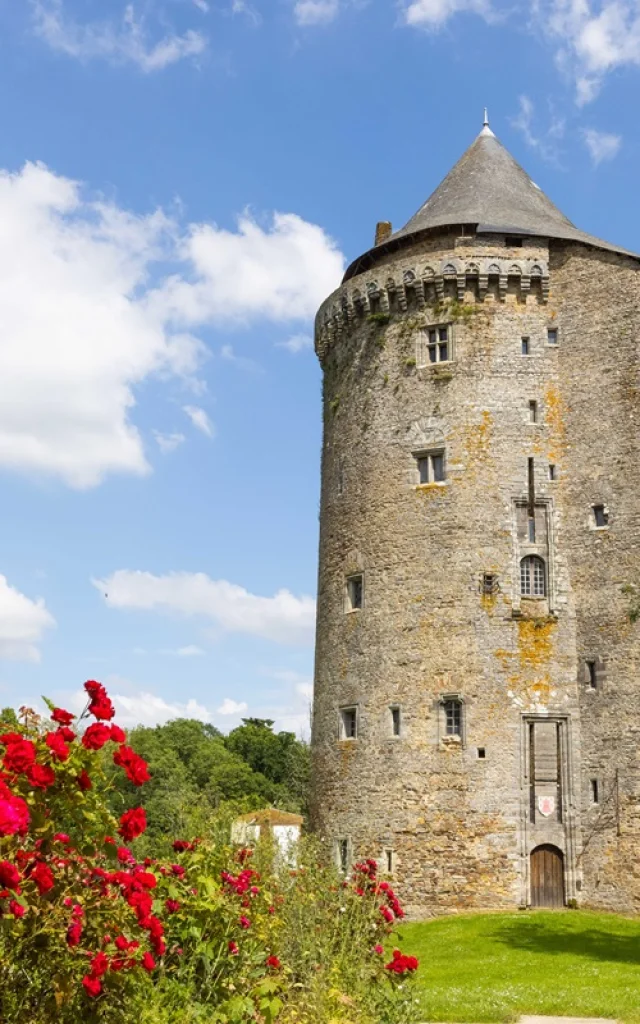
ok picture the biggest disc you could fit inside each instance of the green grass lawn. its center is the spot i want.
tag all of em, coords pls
(494, 967)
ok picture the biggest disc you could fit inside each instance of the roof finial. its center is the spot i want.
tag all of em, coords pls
(485, 123)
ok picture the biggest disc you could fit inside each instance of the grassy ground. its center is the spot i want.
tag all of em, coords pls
(493, 967)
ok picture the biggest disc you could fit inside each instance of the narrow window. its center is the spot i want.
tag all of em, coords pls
(525, 346)
(532, 577)
(552, 471)
(395, 721)
(453, 717)
(552, 336)
(481, 753)
(533, 411)
(601, 516)
(348, 723)
(388, 860)
(437, 345)
(437, 463)
(592, 679)
(355, 593)
(532, 530)
(595, 794)
(340, 487)
(489, 583)
(374, 304)
(343, 855)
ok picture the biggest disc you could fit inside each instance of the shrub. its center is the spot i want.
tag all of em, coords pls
(91, 931)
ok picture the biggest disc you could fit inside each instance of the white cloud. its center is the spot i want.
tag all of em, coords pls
(433, 14)
(283, 618)
(601, 145)
(232, 707)
(544, 142)
(127, 42)
(22, 624)
(83, 322)
(315, 12)
(593, 40)
(281, 272)
(190, 651)
(200, 419)
(168, 442)
(296, 343)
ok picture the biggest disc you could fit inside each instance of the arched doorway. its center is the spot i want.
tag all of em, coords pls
(547, 876)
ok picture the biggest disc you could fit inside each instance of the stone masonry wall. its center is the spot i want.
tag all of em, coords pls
(458, 824)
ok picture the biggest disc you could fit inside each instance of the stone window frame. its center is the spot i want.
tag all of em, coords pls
(556, 343)
(393, 735)
(349, 607)
(593, 518)
(547, 554)
(525, 346)
(423, 360)
(428, 452)
(388, 861)
(595, 791)
(444, 739)
(585, 675)
(343, 729)
(534, 562)
(343, 854)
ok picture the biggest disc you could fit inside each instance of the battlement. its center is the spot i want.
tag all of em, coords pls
(410, 285)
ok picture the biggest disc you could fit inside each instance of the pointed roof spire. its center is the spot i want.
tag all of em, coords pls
(489, 189)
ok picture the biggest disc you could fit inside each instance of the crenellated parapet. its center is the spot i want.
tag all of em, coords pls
(398, 289)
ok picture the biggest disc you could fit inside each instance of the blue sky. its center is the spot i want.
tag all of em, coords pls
(182, 183)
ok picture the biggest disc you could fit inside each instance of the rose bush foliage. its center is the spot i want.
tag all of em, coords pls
(90, 932)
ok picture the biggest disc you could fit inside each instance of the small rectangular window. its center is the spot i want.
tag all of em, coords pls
(489, 583)
(374, 304)
(434, 346)
(595, 794)
(525, 346)
(453, 717)
(481, 753)
(552, 336)
(431, 468)
(388, 861)
(355, 593)
(592, 679)
(343, 855)
(395, 721)
(552, 471)
(532, 531)
(348, 723)
(601, 515)
(533, 411)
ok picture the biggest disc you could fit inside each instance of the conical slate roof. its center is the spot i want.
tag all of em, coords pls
(489, 189)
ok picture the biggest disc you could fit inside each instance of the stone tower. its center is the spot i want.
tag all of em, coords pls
(477, 709)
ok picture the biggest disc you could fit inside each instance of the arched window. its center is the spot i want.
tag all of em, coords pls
(533, 577)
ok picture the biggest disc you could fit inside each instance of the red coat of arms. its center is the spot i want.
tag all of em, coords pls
(546, 805)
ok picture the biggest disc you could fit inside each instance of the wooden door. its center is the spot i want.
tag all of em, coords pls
(547, 877)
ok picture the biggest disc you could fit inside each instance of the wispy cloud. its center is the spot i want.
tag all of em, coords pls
(601, 145)
(247, 11)
(315, 12)
(241, 362)
(296, 343)
(168, 442)
(283, 618)
(544, 142)
(200, 419)
(125, 42)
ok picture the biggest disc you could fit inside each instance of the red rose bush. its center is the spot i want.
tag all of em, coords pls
(90, 931)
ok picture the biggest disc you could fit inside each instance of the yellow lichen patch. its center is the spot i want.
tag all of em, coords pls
(535, 641)
(488, 601)
(476, 441)
(347, 752)
(540, 691)
(554, 417)
(428, 490)
(504, 657)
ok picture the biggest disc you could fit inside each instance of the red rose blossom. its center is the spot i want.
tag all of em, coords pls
(132, 823)
(99, 965)
(9, 875)
(233, 948)
(61, 716)
(19, 755)
(401, 964)
(57, 746)
(172, 906)
(148, 962)
(135, 766)
(14, 815)
(272, 961)
(99, 704)
(41, 776)
(16, 909)
(96, 736)
(92, 986)
(84, 781)
(118, 735)
(42, 875)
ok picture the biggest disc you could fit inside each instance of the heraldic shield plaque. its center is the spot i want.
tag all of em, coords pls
(546, 805)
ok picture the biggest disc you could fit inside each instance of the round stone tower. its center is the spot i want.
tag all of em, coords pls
(477, 700)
